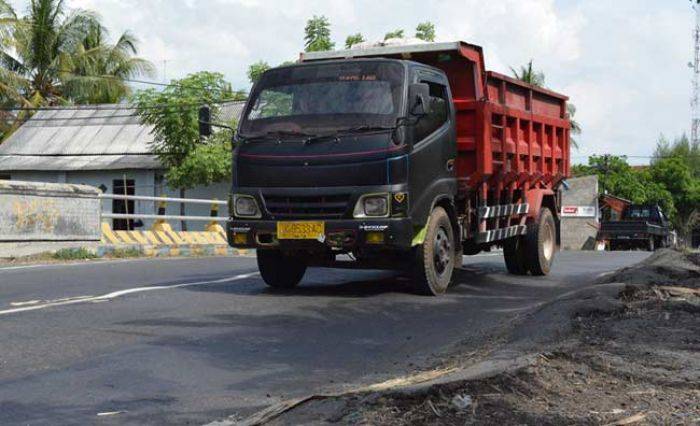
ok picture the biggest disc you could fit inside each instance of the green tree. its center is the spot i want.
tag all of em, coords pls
(57, 56)
(426, 31)
(530, 75)
(176, 132)
(677, 164)
(95, 59)
(7, 19)
(681, 148)
(354, 39)
(393, 34)
(675, 175)
(618, 178)
(207, 163)
(317, 34)
(575, 126)
(256, 70)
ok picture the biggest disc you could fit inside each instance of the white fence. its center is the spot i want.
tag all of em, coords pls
(162, 201)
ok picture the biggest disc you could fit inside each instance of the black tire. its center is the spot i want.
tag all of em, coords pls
(435, 258)
(541, 243)
(279, 270)
(515, 256)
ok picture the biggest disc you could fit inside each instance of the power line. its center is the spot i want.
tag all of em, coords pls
(101, 117)
(131, 80)
(98, 117)
(128, 80)
(98, 107)
(653, 157)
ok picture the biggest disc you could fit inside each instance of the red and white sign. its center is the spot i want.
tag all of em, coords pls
(578, 211)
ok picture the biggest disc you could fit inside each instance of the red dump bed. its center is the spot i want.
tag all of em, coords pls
(509, 134)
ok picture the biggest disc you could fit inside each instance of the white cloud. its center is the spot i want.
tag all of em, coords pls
(623, 63)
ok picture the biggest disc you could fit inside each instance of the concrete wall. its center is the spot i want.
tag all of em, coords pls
(37, 217)
(578, 233)
(147, 182)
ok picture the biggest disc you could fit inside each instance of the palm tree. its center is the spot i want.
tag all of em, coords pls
(529, 75)
(101, 70)
(7, 82)
(575, 126)
(55, 56)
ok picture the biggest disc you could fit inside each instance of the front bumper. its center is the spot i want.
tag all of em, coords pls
(341, 234)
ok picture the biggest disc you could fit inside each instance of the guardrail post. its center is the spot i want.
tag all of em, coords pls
(160, 224)
(214, 225)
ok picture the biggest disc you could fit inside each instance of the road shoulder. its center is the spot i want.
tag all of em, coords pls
(623, 350)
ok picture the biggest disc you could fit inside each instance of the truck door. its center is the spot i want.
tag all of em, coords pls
(432, 157)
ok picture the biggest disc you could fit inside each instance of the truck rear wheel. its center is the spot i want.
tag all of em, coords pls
(515, 256)
(435, 258)
(279, 270)
(541, 243)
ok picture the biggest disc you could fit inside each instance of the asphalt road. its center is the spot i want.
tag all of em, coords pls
(194, 340)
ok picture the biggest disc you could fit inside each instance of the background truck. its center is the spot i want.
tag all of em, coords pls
(639, 227)
(399, 157)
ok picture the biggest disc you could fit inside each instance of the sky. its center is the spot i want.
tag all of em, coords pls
(623, 63)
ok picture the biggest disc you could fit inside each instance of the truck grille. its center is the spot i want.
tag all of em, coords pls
(331, 206)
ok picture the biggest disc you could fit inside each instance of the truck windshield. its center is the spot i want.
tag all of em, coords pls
(312, 99)
(639, 213)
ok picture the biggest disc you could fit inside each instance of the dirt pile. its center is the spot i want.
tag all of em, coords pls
(664, 267)
(634, 361)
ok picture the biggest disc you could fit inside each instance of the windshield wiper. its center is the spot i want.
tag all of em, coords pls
(277, 133)
(336, 135)
(366, 128)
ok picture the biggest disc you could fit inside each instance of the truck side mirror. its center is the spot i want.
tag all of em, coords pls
(205, 121)
(419, 99)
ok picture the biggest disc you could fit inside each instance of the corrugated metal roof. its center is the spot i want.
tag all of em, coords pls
(104, 137)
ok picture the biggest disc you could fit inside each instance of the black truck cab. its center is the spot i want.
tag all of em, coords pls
(354, 153)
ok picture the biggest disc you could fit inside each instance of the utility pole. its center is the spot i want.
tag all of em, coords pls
(695, 66)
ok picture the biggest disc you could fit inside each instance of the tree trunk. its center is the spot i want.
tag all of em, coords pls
(183, 224)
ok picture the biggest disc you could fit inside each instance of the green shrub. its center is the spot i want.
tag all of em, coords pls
(125, 253)
(74, 254)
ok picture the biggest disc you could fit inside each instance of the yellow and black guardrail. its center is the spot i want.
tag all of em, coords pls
(161, 239)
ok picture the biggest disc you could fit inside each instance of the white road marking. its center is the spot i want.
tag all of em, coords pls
(28, 302)
(605, 274)
(120, 293)
(35, 302)
(99, 262)
(110, 413)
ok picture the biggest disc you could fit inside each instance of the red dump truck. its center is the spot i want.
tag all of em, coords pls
(403, 157)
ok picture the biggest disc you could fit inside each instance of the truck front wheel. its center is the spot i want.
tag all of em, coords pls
(435, 258)
(541, 243)
(279, 270)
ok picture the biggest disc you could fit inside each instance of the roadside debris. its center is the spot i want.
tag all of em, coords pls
(629, 420)
(462, 402)
(631, 356)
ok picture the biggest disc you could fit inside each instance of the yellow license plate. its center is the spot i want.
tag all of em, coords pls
(300, 230)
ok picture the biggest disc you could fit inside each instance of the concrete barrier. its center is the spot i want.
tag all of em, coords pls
(39, 217)
(579, 215)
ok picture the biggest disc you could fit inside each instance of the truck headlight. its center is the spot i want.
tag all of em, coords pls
(245, 206)
(372, 205)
